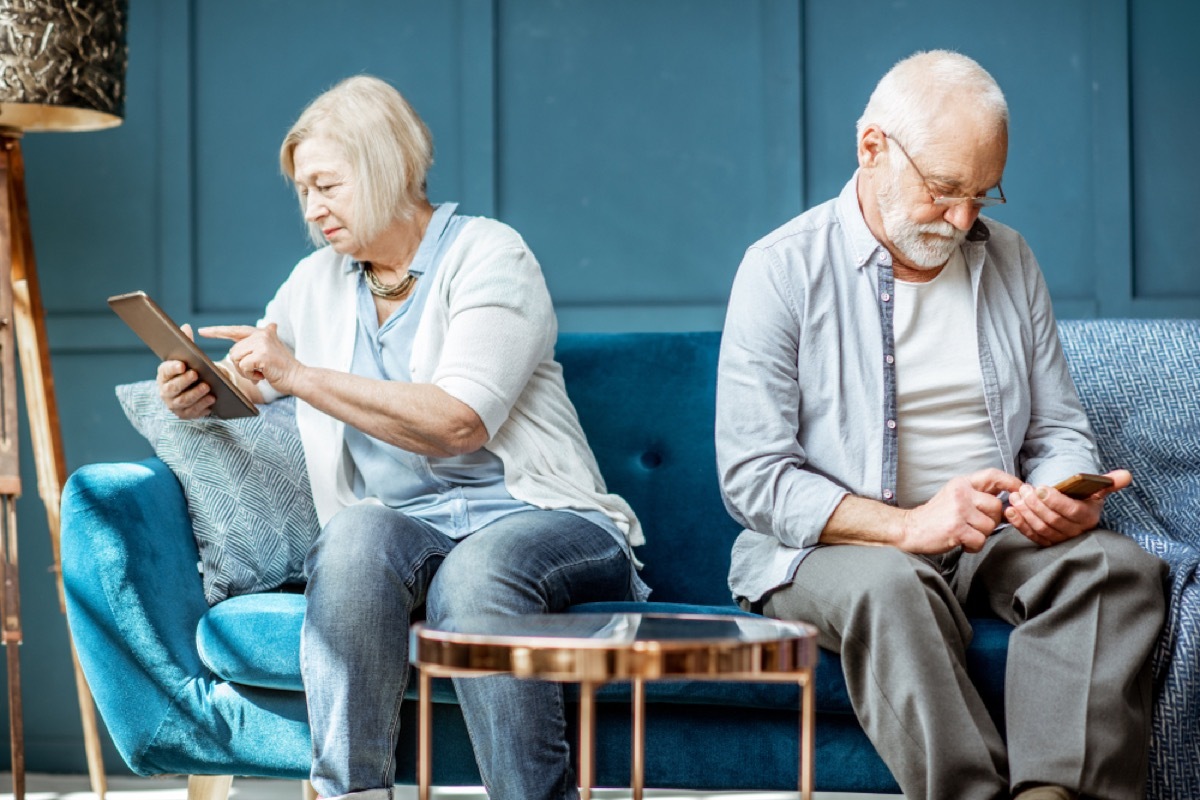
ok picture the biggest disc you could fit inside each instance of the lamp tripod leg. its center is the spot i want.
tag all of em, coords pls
(21, 307)
(12, 642)
(10, 468)
(9, 607)
(16, 719)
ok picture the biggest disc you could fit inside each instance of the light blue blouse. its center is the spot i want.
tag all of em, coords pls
(456, 495)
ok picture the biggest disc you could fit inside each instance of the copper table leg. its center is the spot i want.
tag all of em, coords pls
(808, 725)
(587, 738)
(425, 737)
(639, 737)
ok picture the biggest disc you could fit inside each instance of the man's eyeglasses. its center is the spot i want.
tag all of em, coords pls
(944, 200)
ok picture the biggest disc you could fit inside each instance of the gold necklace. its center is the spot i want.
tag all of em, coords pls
(389, 291)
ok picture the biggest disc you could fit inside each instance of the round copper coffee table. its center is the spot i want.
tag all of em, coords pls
(594, 649)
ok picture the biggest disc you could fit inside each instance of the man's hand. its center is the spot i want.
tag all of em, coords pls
(181, 388)
(964, 512)
(1047, 516)
(258, 354)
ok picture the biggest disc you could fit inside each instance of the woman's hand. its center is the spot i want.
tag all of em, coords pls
(258, 354)
(181, 388)
(1047, 516)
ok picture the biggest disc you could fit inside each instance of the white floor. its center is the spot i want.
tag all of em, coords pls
(76, 787)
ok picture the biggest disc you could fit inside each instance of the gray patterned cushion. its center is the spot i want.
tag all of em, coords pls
(246, 487)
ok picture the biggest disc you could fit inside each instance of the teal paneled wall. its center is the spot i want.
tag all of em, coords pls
(639, 147)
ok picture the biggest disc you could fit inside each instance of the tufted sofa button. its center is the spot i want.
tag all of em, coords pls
(651, 460)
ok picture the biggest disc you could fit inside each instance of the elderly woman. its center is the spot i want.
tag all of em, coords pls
(447, 465)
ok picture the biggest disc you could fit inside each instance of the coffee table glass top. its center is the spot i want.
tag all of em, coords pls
(607, 630)
(603, 647)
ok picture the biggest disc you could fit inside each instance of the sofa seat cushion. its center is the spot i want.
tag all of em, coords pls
(255, 640)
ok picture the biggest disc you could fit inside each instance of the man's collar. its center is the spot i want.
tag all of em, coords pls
(862, 243)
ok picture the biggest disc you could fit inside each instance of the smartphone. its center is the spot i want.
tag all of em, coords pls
(1083, 485)
(170, 343)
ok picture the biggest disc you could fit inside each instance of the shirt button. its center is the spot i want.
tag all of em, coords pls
(885, 297)
(887, 494)
(891, 423)
(891, 359)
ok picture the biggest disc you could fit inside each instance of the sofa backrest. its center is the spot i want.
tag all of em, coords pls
(1139, 382)
(647, 402)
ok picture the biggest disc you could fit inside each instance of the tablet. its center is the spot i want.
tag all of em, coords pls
(170, 343)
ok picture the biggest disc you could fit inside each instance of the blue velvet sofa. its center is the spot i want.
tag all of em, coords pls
(141, 623)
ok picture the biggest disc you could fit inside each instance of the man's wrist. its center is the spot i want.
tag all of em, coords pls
(903, 525)
(863, 520)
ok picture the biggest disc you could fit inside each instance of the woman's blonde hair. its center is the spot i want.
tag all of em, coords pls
(386, 143)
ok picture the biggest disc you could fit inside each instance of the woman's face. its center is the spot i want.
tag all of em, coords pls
(325, 182)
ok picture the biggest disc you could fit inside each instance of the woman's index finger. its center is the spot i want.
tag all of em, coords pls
(234, 333)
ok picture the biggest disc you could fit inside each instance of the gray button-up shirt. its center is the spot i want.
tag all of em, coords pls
(806, 389)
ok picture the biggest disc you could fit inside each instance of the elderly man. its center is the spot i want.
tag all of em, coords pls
(893, 412)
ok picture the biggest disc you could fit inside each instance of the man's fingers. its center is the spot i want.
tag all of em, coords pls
(1021, 521)
(1062, 513)
(234, 333)
(1122, 478)
(994, 481)
(1053, 516)
(989, 504)
(974, 541)
(1039, 540)
(1035, 504)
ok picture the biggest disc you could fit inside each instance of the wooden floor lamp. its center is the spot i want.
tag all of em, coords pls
(62, 68)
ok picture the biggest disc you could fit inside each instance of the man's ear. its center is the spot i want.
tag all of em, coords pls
(871, 145)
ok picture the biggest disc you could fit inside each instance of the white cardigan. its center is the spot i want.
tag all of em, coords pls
(486, 337)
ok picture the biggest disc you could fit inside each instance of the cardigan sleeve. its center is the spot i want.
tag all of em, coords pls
(501, 325)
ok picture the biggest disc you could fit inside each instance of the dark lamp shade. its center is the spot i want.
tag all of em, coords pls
(62, 64)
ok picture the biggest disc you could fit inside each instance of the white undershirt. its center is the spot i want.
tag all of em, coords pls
(942, 418)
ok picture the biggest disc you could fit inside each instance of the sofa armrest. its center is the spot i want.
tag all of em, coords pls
(134, 595)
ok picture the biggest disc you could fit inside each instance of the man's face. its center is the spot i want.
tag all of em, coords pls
(925, 245)
(965, 160)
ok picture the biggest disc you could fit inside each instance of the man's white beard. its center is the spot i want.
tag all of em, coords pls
(925, 252)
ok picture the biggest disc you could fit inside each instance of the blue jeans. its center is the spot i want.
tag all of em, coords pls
(370, 568)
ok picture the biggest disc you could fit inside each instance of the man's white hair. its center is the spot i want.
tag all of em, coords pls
(911, 96)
